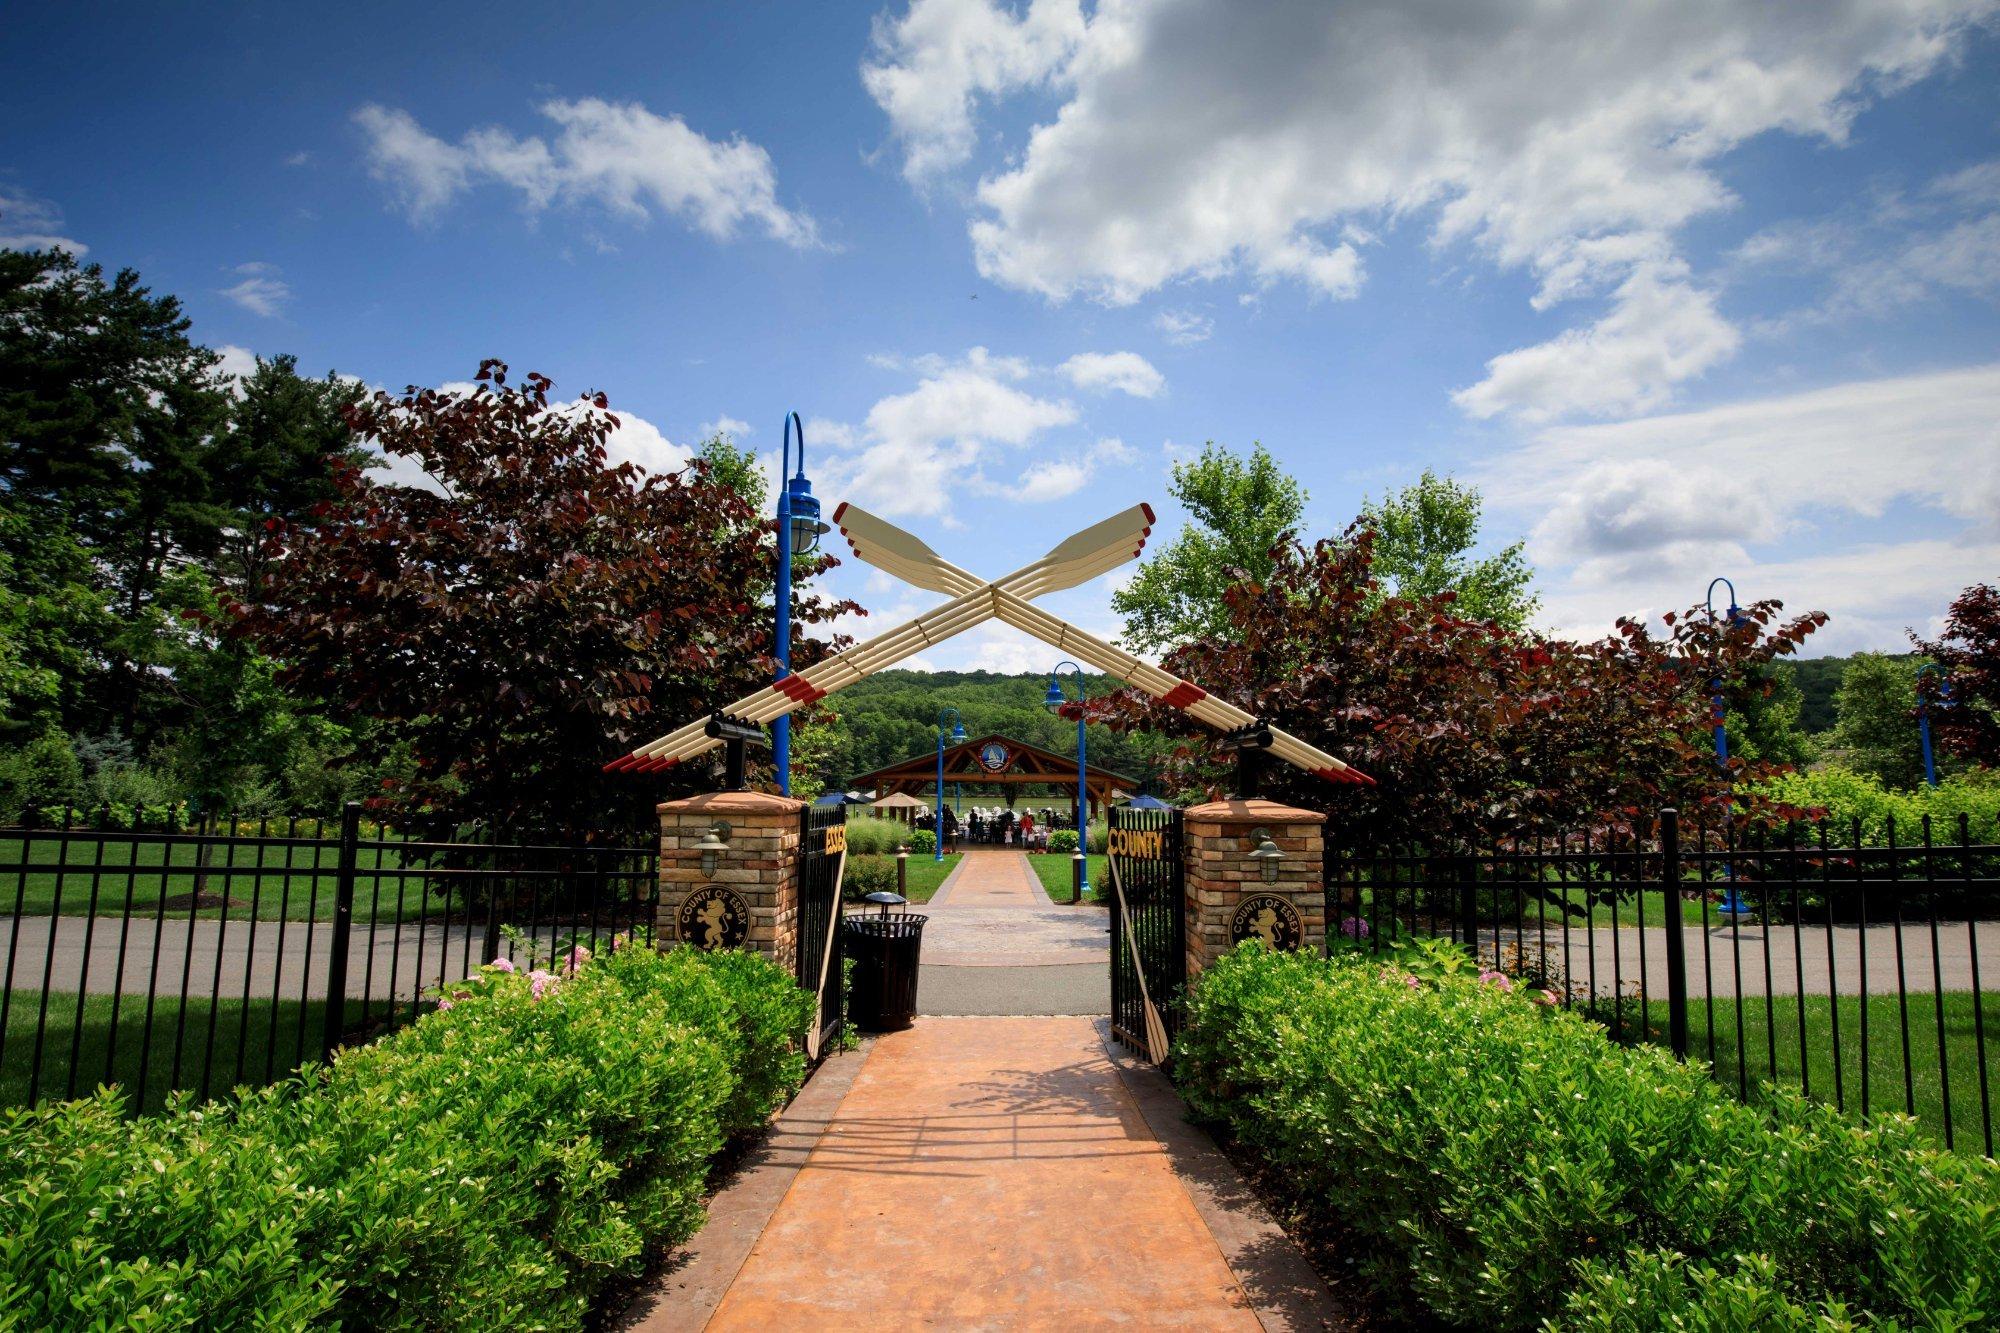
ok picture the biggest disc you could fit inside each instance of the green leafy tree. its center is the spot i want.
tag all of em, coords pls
(1877, 723)
(108, 410)
(1424, 538)
(276, 463)
(1763, 717)
(1239, 508)
(735, 467)
(818, 738)
(55, 625)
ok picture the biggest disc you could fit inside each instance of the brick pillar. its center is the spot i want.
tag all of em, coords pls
(1227, 898)
(752, 898)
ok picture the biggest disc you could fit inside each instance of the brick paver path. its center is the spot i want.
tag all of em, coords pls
(992, 912)
(987, 1173)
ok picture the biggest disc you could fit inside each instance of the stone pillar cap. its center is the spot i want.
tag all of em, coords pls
(1252, 812)
(732, 803)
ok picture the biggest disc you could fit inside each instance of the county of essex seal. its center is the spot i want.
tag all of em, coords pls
(714, 918)
(1267, 918)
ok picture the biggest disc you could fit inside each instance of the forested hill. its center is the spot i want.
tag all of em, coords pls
(1818, 679)
(894, 714)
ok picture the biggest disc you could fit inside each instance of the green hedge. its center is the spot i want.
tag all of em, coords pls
(1846, 796)
(1499, 1163)
(492, 1166)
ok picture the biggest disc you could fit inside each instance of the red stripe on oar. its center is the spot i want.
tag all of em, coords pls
(1149, 514)
(658, 765)
(839, 510)
(798, 687)
(617, 763)
(1183, 695)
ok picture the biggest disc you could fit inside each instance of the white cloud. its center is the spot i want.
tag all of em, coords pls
(1054, 478)
(260, 290)
(1660, 331)
(1184, 328)
(725, 425)
(915, 449)
(28, 222)
(1631, 517)
(928, 68)
(1872, 593)
(1897, 252)
(1200, 141)
(1127, 372)
(618, 156)
(635, 440)
(237, 362)
(1964, 257)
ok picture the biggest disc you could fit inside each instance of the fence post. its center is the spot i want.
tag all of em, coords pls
(343, 930)
(1670, 884)
(1468, 903)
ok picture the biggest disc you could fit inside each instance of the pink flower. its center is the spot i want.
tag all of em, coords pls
(578, 956)
(1544, 998)
(1500, 979)
(1354, 928)
(444, 1004)
(1410, 980)
(540, 982)
(502, 964)
(618, 942)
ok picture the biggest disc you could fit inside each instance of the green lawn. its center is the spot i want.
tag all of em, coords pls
(247, 1043)
(922, 875)
(1054, 869)
(1772, 1042)
(296, 883)
(1531, 910)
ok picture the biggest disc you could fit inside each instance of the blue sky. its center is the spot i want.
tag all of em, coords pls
(1691, 288)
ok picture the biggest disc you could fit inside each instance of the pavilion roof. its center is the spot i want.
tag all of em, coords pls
(1025, 764)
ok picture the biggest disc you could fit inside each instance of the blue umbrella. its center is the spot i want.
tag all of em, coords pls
(1147, 803)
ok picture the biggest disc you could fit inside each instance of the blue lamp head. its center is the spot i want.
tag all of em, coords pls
(1054, 698)
(803, 507)
(958, 732)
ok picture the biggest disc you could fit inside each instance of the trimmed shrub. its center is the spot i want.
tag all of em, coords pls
(1846, 796)
(869, 874)
(1499, 1162)
(1063, 840)
(494, 1164)
(922, 840)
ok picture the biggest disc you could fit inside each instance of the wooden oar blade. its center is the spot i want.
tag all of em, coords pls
(880, 543)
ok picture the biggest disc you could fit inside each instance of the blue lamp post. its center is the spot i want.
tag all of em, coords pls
(799, 532)
(957, 738)
(1055, 701)
(1718, 709)
(1924, 715)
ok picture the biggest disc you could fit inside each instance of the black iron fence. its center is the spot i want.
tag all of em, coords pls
(168, 955)
(1850, 964)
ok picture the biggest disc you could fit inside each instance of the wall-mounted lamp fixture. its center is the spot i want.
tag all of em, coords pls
(1267, 855)
(712, 845)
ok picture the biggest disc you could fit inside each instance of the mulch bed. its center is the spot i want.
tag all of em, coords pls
(1329, 1247)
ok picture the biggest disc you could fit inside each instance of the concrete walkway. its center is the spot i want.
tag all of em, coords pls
(996, 944)
(999, 1173)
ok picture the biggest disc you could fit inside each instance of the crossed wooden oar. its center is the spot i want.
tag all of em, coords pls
(1097, 549)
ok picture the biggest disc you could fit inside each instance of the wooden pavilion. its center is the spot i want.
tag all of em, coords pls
(997, 761)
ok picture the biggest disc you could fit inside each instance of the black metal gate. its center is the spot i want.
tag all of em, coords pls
(1149, 929)
(822, 844)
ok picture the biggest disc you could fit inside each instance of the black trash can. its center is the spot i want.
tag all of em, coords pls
(884, 949)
